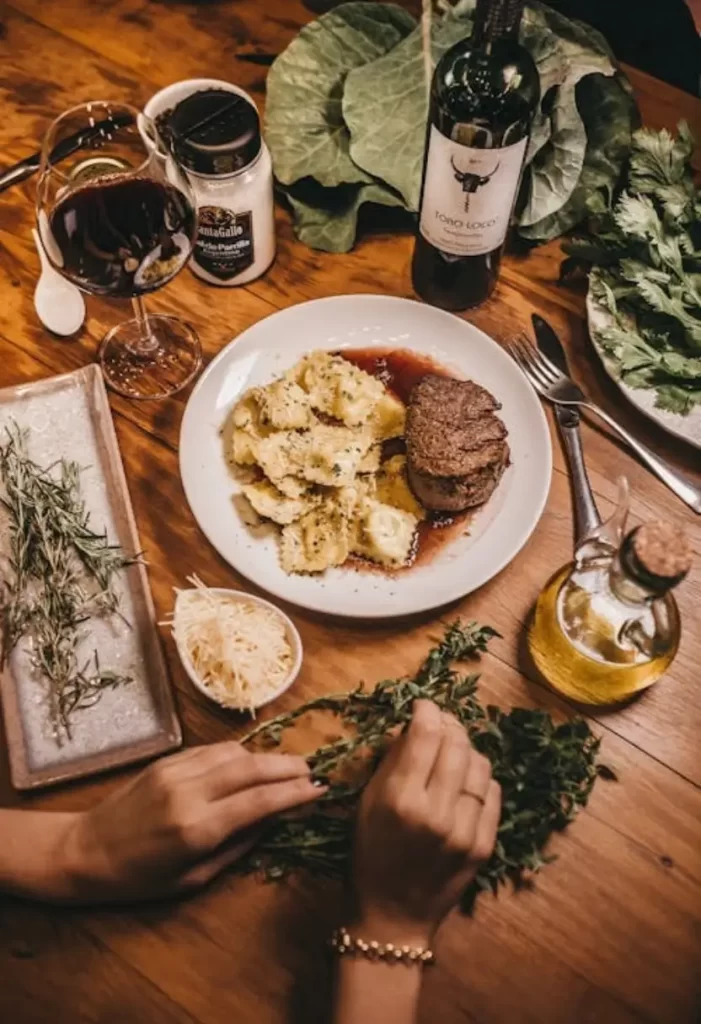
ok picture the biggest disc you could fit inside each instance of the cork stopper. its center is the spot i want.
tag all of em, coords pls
(658, 554)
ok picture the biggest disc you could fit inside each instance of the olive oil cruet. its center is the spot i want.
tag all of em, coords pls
(607, 625)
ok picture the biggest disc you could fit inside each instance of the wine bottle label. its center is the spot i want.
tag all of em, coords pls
(224, 245)
(468, 195)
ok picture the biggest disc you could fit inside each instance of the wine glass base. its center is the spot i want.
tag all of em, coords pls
(158, 370)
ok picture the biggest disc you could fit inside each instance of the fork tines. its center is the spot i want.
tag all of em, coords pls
(542, 374)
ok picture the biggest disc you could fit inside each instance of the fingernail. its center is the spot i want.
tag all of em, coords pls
(320, 783)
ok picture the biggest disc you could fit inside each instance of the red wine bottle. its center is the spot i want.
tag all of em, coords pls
(484, 92)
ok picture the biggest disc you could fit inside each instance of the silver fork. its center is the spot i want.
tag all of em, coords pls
(553, 385)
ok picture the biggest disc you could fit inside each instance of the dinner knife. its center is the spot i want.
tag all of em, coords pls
(586, 514)
(30, 165)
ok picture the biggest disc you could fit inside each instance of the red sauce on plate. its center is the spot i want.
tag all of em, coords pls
(400, 370)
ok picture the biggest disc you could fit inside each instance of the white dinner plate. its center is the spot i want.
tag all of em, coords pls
(687, 427)
(498, 530)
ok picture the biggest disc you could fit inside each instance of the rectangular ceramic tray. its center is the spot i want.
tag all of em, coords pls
(69, 417)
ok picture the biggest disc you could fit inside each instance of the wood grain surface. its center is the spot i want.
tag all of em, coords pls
(611, 932)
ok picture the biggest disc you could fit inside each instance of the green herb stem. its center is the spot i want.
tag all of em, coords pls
(62, 574)
(546, 771)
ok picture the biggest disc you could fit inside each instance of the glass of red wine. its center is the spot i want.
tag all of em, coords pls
(118, 221)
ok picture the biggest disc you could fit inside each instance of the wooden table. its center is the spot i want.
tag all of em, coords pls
(611, 932)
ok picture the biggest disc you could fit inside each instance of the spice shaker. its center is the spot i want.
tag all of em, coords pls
(215, 135)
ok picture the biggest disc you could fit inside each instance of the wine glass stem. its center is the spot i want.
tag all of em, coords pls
(147, 342)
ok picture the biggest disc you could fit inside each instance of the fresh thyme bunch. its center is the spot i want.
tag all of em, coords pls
(546, 771)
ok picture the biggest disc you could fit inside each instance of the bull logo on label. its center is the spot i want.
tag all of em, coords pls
(470, 181)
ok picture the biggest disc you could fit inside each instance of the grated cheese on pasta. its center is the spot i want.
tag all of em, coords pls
(239, 650)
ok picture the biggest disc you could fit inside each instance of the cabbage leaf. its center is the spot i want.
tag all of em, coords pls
(347, 109)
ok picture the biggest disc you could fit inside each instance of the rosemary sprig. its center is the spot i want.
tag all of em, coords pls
(546, 771)
(61, 574)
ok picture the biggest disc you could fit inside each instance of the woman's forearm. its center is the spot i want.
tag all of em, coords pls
(374, 992)
(34, 857)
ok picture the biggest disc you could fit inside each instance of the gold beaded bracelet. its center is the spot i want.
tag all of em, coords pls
(343, 943)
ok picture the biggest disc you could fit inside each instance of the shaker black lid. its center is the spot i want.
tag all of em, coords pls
(215, 132)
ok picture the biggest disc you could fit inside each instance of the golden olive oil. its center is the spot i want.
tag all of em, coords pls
(594, 646)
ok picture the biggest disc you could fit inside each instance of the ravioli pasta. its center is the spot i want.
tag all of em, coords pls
(315, 440)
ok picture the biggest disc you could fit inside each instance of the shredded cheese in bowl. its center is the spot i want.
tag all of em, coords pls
(238, 649)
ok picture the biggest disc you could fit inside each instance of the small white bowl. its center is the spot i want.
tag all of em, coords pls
(293, 638)
(166, 99)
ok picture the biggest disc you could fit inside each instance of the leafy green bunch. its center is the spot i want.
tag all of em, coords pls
(546, 771)
(645, 244)
(347, 106)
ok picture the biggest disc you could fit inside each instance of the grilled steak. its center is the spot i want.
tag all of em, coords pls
(456, 445)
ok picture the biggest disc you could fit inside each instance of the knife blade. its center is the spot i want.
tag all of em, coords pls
(551, 346)
(586, 514)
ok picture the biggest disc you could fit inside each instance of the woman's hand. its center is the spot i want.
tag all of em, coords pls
(180, 822)
(428, 819)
